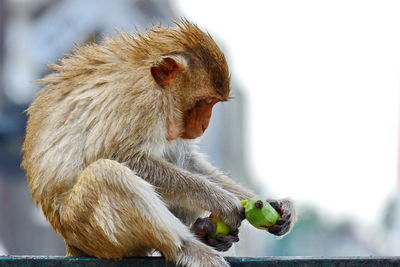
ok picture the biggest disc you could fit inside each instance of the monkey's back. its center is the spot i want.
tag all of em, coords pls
(66, 132)
(52, 152)
(103, 103)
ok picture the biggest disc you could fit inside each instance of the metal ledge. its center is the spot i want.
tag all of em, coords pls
(27, 261)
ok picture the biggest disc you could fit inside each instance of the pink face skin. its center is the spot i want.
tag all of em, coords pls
(198, 118)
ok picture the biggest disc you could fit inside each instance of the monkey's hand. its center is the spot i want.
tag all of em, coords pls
(288, 216)
(203, 227)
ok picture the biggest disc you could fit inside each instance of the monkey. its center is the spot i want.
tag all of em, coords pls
(111, 152)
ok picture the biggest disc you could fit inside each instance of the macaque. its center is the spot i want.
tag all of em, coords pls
(110, 149)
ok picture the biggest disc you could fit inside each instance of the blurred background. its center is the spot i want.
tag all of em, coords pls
(315, 115)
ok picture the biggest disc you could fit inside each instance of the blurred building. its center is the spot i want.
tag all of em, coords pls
(395, 230)
(313, 235)
(391, 224)
(35, 33)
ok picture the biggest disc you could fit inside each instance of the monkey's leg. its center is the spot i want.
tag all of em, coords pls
(74, 252)
(112, 213)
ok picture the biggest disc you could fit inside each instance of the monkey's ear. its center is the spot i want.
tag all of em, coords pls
(166, 71)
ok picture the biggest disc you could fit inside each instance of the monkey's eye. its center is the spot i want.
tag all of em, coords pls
(208, 100)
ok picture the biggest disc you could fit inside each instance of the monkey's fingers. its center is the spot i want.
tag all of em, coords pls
(222, 242)
(285, 209)
(234, 232)
(282, 226)
(227, 238)
(202, 227)
(276, 204)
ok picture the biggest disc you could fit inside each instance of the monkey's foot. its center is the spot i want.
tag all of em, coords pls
(196, 254)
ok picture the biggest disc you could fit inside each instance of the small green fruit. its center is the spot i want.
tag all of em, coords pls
(260, 213)
(220, 227)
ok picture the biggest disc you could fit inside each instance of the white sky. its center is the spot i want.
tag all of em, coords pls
(322, 83)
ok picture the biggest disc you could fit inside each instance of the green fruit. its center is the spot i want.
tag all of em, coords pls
(220, 227)
(260, 213)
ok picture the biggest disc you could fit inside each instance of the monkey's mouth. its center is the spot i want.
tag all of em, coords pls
(198, 118)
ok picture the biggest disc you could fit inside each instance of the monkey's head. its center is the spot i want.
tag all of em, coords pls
(132, 87)
(187, 64)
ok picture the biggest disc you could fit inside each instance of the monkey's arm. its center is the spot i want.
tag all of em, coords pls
(189, 189)
(198, 164)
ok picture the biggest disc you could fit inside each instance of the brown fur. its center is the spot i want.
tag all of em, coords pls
(103, 152)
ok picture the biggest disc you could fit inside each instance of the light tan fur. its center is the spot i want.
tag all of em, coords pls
(98, 159)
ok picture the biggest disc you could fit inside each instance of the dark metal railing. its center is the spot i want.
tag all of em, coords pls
(47, 261)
